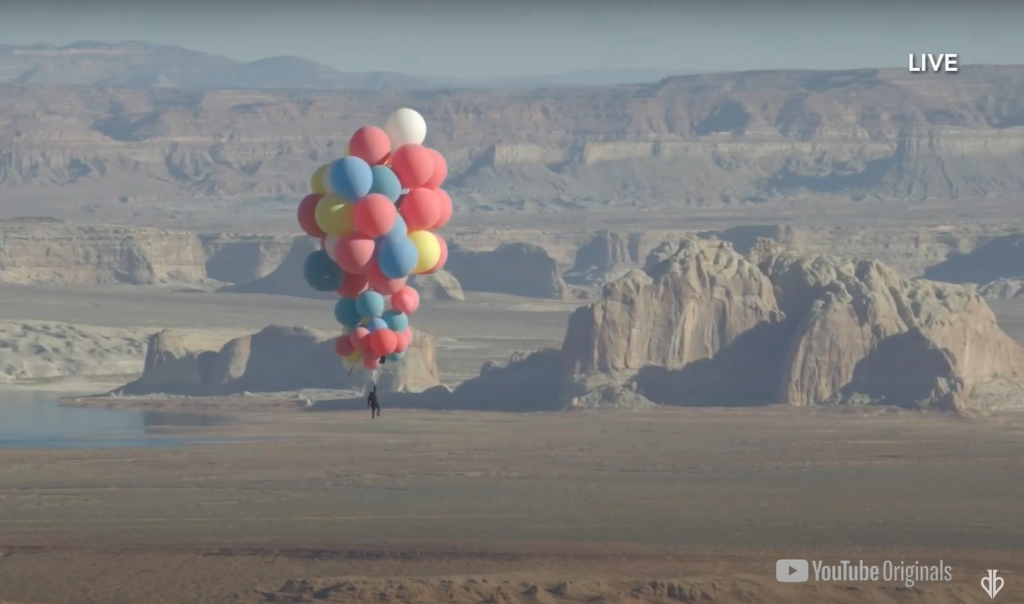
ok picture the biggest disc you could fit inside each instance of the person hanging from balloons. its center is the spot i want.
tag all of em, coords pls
(375, 212)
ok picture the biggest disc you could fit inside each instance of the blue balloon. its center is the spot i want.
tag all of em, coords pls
(370, 304)
(346, 313)
(321, 273)
(351, 178)
(396, 320)
(386, 183)
(376, 324)
(397, 257)
(400, 230)
(396, 356)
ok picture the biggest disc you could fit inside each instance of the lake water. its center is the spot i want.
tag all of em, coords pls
(37, 421)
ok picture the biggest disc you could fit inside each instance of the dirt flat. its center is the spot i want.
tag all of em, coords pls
(424, 507)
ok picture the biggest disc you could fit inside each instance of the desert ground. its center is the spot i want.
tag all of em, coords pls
(658, 506)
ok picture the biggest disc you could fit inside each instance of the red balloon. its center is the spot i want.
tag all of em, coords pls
(403, 341)
(307, 216)
(353, 285)
(359, 337)
(370, 144)
(374, 215)
(353, 252)
(408, 335)
(380, 283)
(344, 346)
(383, 342)
(444, 255)
(371, 363)
(421, 209)
(413, 165)
(406, 300)
(445, 202)
(440, 170)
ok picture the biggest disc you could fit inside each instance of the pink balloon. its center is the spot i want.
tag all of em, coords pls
(421, 209)
(371, 363)
(355, 284)
(445, 202)
(413, 165)
(406, 300)
(383, 342)
(353, 252)
(359, 337)
(444, 255)
(440, 170)
(374, 215)
(370, 144)
(344, 346)
(380, 283)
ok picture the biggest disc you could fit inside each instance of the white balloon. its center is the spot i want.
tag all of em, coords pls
(329, 245)
(405, 127)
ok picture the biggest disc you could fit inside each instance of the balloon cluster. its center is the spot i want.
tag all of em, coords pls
(375, 212)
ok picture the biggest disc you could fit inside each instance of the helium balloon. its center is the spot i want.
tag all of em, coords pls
(321, 273)
(350, 178)
(307, 215)
(383, 342)
(440, 170)
(400, 230)
(343, 346)
(351, 360)
(428, 250)
(386, 183)
(442, 259)
(446, 209)
(397, 320)
(421, 209)
(398, 258)
(334, 215)
(354, 252)
(405, 300)
(413, 165)
(370, 304)
(317, 182)
(394, 357)
(375, 324)
(353, 284)
(405, 127)
(408, 334)
(346, 312)
(371, 363)
(328, 244)
(381, 283)
(359, 337)
(374, 215)
(370, 144)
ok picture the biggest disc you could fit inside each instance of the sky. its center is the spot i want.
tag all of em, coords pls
(492, 38)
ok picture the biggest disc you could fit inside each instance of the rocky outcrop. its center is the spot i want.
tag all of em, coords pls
(520, 269)
(39, 350)
(608, 254)
(235, 258)
(1003, 289)
(276, 359)
(54, 252)
(1000, 258)
(702, 325)
(286, 279)
(441, 285)
(529, 381)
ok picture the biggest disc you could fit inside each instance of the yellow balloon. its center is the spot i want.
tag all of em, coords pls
(353, 358)
(430, 250)
(317, 182)
(334, 215)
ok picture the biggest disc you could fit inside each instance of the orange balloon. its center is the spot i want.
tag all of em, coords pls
(421, 209)
(370, 144)
(380, 283)
(353, 252)
(413, 165)
(374, 215)
(383, 342)
(440, 170)
(406, 300)
(445, 203)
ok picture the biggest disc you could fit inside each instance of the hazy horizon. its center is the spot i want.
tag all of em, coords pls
(451, 39)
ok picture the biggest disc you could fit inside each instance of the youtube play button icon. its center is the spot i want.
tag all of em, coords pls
(791, 571)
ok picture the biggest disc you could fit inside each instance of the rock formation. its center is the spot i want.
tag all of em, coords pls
(1000, 258)
(1003, 289)
(235, 258)
(276, 359)
(441, 285)
(520, 269)
(54, 252)
(38, 350)
(705, 326)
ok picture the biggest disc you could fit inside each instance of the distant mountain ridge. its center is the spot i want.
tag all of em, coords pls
(142, 65)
